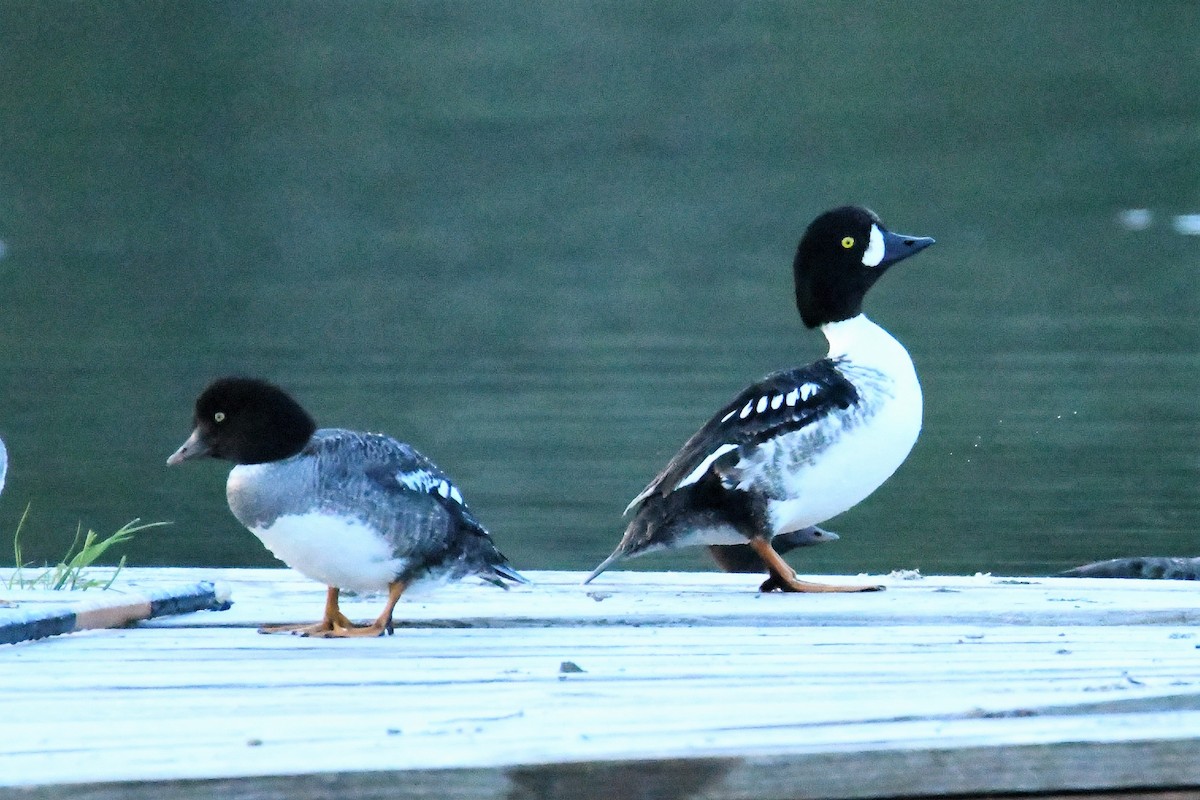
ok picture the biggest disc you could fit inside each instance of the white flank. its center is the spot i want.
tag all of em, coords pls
(699, 471)
(874, 252)
(762, 405)
(746, 409)
(776, 401)
(333, 550)
(864, 453)
(792, 397)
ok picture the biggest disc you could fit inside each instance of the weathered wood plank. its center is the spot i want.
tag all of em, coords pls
(628, 598)
(1038, 687)
(855, 772)
(665, 779)
(1158, 660)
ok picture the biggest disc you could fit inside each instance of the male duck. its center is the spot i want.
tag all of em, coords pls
(801, 445)
(355, 511)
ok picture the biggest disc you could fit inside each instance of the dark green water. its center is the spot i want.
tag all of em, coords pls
(543, 242)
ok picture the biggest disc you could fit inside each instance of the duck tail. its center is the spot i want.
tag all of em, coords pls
(507, 573)
(616, 556)
(486, 560)
(639, 538)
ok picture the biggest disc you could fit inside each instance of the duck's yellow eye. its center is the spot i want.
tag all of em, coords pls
(219, 416)
(848, 242)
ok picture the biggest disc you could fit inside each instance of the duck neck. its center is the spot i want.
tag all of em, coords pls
(862, 342)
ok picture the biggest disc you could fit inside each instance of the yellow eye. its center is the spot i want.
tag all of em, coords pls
(848, 242)
(219, 416)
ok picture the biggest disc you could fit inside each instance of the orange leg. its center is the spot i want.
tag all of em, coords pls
(784, 577)
(383, 624)
(334, 620)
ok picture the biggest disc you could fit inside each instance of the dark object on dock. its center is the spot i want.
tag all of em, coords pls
(52, 613)
(1164, 567)
(742, 558)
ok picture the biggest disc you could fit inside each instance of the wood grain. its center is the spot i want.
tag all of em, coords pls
(682, 685)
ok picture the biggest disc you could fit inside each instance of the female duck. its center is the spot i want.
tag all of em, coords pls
(356, 511)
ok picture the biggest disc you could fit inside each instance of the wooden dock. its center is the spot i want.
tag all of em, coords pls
(646, 685)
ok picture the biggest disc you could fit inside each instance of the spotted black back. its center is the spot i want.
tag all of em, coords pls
(780, 403)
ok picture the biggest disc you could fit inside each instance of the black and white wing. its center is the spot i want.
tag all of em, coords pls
(781, 403)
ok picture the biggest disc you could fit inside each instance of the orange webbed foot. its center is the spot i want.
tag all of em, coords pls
(783, 577)
(333, 624)
(794, 584)
(312, 629)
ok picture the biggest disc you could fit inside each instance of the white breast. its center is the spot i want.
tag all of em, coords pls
(335, 551)
(864, 449)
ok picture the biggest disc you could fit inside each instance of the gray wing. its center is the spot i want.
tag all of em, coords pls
(398, 491)
(780, 403)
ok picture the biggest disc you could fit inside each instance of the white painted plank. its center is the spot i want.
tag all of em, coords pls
(816, 680)
(247, 751)
(393, 666)
(356, 686)
(938, 651)
(269, 596)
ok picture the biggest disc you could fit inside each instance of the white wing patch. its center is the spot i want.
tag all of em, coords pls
(755, 405)
(774, 402)
(699, 471)
(422, 481)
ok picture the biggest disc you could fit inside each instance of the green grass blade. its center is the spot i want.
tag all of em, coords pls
(85, 550)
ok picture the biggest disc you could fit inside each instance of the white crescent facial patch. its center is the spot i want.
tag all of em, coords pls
(874, 251)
